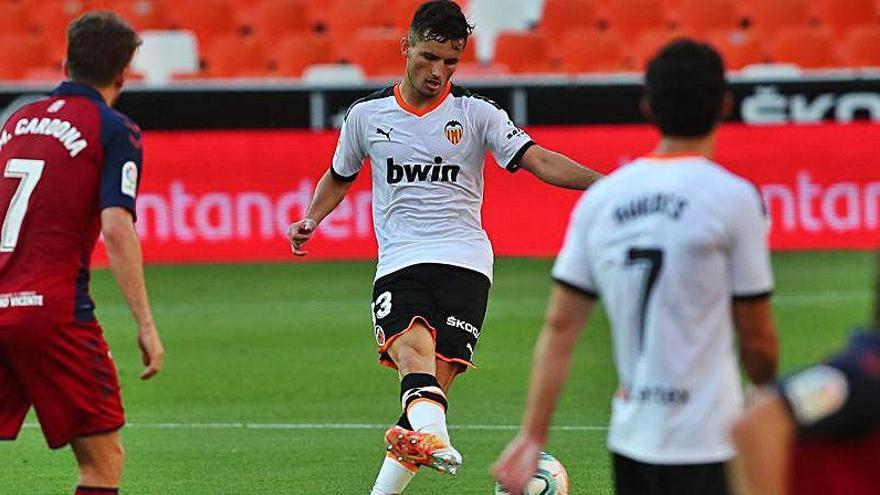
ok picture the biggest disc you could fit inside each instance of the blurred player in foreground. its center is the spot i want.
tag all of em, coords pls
(71, 168)
(818, 431)
(676, 246)
(427, 139)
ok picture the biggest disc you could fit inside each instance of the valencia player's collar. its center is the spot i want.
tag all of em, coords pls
(421, 112)
(70, 88)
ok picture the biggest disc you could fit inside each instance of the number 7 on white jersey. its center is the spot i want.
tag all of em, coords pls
(29, 172)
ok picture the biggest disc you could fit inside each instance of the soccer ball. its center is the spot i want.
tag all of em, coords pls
(550, 479)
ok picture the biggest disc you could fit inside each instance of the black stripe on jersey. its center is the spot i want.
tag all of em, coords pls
(513, 166)
(760, 199)
(342, 178)
(382, 93)
(757, 296)
(580, 290)
(461, 92)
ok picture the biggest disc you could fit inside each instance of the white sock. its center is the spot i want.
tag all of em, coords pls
(429, 417)
(393, 478)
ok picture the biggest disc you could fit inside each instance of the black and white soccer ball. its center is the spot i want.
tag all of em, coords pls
(549, 479)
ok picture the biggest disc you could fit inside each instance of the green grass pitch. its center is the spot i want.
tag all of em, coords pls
(289, 349)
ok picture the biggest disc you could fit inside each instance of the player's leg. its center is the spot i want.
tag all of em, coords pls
(426, 441)
(100, 459)
(402, 307)
(694, 479)
(634, 478)
(13, 400)
(394, 475)
(66, 371)
(460, 297)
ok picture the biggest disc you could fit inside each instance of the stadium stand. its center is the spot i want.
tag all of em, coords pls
(295, 52)
(165, 54)
(861, 47)
(632, 18)
(378, 52)
(701, 17)
(588, 50)
(739, 48)
(272, 19)
(207, 18)
(842, 15)
(807, 47)
(523, 52)
(768, 16)
(152, 15)
(230, 55)
(512, 36)
(561, 16)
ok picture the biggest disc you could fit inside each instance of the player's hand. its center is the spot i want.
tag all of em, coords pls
(299, 233)
(517, 464)
(152, 351)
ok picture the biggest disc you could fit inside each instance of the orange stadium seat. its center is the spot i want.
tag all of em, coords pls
(861, 47)
(232, 55)
(522, 52)
(700, 17)
(52, 23)
(840, 15)
(588, 50)
(207, 18)
(400, 13)
(631, 18)
(739, 48)
(15, 18)
(296, 52)
(276, 18)
(318, 13)
(346, 17)
(378, 53)
(809, 48)
(20, 54)
(561, 16)
(147, 14)
(648, 44)
(770, 15)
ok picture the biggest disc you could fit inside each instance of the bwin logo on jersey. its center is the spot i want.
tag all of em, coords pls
(421, 172)
(454, 131)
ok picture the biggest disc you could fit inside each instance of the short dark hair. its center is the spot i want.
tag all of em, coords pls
(685, 88)
(441, 21)
(100, 45)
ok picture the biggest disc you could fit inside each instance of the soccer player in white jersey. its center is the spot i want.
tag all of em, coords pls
(676, 247)
(427, 140)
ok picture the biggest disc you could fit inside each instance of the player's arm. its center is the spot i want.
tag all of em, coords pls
(126, 261)
(120, 179)
(752, 283)
(331, 190)
(758, 342)
(763, 438)
(335, 183)
(557, 169)
(566, 316)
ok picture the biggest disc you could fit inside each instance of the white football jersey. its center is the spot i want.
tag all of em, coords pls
(668, 243)
(428, 174)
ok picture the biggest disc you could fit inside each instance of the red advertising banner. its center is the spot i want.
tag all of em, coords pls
(228, 196)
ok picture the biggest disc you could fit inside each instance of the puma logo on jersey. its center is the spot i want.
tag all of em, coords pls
(421, 172)
(386, 134)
